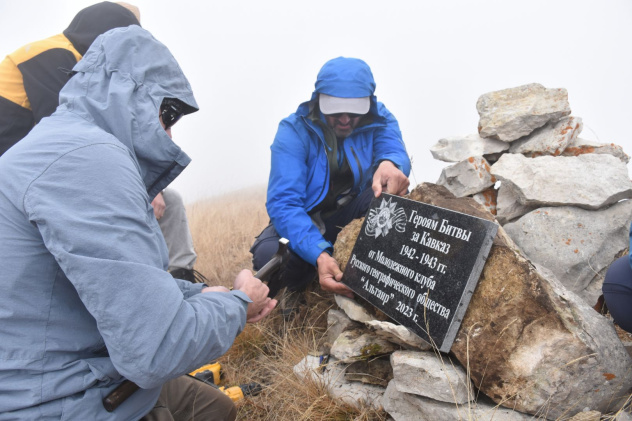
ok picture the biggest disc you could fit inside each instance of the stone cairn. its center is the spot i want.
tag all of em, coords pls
(530, 346)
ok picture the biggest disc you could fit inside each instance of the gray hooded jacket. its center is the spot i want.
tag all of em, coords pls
(85, 299)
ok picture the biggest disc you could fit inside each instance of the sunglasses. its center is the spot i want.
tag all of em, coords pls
(171, 111)
(338, 115)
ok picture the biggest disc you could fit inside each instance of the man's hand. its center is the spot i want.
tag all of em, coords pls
(257, 291)
(390, 179)
(159, 205)
(329, 275)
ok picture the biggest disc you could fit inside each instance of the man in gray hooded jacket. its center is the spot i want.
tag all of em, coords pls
(86, 300)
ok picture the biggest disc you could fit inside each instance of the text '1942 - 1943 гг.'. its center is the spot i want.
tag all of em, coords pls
(419, 264)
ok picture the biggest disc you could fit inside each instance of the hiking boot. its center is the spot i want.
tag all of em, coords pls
(190, 275)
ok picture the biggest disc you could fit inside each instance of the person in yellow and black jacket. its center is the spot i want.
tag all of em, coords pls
(32, 76)
(30, 81)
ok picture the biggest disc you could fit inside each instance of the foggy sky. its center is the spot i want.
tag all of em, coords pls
(252, 62)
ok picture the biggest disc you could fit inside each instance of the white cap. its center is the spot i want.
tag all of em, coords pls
(333, 104)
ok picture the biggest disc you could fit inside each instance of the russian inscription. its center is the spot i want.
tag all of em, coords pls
(419, 264)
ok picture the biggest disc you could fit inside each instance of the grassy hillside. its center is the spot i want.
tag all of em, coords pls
(223, 230)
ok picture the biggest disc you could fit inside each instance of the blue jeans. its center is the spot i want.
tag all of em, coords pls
(297, 273)
(617, 291)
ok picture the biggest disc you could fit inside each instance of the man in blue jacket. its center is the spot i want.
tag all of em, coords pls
(86, 299)
(329, 159)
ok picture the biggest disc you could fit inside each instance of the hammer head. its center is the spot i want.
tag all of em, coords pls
(283, 250)
(278, 259)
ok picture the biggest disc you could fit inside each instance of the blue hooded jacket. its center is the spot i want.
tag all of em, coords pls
(86, 300)
(299, 175)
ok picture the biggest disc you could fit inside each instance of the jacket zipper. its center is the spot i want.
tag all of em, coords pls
(357, 160)
(314, 203)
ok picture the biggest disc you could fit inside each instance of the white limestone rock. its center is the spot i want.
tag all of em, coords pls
(355, 344)
(357, 395)
(489, 199)
(309, 368)
(588, 181)
(399, 335)
(510, 114)
(508, 205)
(467, 177)
(575, 244)
(353, 309)
(551, 139)
(586, 416)
(406, 407)
(338, 322)
(582, 146)
(624, 416)
(460, 148)
(424, 374)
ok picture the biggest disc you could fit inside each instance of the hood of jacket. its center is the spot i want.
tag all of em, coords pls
(94, 20)
(343, 77)
(119, 86)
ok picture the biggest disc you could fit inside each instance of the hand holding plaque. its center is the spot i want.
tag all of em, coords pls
(329, 275)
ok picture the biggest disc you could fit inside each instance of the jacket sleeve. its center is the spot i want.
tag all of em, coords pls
(44, 75)
(287, 196)
(15, 119)
(92, 210)
(388, 143)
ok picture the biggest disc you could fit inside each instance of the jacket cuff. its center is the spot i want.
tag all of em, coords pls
(399, 167)
(189, 289)
(317, 250)
(243, 298)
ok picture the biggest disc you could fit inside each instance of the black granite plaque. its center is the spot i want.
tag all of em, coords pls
(419, 264)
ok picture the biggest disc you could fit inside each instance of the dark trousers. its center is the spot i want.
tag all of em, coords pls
(188, 399)
(297, 273)
(617, 291)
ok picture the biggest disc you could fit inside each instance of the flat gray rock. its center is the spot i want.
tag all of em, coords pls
(353, 309)
(489, 199)
(551, 139)
(589, 181)
(338, 322)
(332, 377)
(512, 113)
(425, 374)
(575, 244)
(624, 416)
(355, 344)
(356, 394)
(586, 416)
(467, 177)
(406, 407)
(508, 205)
(398, 334)
(582, 146)
(460, 148)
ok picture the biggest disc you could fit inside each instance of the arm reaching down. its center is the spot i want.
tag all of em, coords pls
(389, 179)
(329, 276)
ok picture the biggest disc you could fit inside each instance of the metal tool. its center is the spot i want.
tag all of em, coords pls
(116, 397)
(274, 264)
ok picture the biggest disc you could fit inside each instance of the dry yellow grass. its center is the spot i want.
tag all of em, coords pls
(223, 230)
